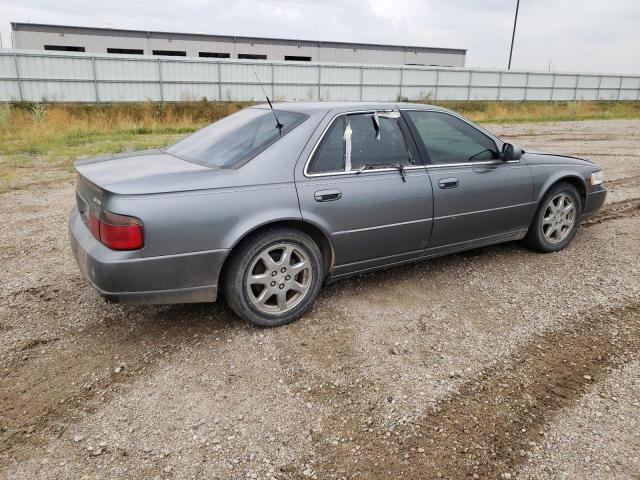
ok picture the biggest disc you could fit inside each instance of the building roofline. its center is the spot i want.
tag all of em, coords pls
(240, 37)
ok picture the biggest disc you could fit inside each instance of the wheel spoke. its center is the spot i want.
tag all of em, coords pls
(282, 300)
(260, 279)
(298, 267)
(265, 295)
(297, 287)
(268, 261)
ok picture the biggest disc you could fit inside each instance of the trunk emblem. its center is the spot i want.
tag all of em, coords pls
(99, 202)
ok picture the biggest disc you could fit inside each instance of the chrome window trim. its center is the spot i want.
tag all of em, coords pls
(353, 172)
(471, 164)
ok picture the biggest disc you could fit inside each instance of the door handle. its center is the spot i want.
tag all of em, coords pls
(448, 183)
(327, 195)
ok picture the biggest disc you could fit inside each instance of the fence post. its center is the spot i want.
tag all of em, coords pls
(619, 88)
(553, 86)
(160, 80)
(361, 81)
(499, 85)
(319, 82)
(273, 87)
(599, 85)
(15, 62)
(469, 86)
(219, 81)
(95, 78)
(526, 87)
(401, 80)
(575, 87)
(435, 97)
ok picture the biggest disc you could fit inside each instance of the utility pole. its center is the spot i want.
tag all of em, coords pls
(513, 35)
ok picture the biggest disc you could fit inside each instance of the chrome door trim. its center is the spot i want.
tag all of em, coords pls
(470, 164)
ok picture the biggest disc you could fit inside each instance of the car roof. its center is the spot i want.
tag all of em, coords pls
(315, 107)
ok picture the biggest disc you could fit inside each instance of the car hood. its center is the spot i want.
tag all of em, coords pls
(148, 171)
(546, 157)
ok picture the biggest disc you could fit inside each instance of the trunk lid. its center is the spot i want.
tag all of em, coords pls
(121, 171)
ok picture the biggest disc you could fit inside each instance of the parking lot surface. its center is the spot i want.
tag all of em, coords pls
(494, 363)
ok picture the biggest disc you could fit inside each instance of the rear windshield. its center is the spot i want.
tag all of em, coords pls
(236, 138)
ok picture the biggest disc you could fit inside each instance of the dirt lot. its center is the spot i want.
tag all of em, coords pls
(496, 363)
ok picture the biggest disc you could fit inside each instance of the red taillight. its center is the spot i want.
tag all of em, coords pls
(94, 225)
(118, 232)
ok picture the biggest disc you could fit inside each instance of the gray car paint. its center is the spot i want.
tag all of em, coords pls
(194, 216)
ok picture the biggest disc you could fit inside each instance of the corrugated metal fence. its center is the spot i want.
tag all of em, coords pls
(61, 77)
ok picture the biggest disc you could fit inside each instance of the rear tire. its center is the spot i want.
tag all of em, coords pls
(556, 220)
(274, 277)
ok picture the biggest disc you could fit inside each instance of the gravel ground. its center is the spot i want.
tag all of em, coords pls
(498, 362)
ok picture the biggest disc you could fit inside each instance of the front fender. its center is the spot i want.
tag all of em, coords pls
(546, 181)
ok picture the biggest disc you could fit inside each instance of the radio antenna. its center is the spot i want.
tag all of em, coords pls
(278, 124)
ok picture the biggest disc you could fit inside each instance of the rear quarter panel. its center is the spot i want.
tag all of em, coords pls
(220, 207)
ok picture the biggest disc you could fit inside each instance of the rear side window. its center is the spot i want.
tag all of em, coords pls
(235, 139)
(373, 144)
(448, 139)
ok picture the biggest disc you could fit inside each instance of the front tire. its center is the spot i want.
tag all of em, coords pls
(274, 277)
(556, 221)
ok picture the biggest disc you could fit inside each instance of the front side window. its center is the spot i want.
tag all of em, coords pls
(236, 138)
(448, 139)
(361, 141)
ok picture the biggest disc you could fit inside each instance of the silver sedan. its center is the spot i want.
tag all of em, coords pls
(266, 205)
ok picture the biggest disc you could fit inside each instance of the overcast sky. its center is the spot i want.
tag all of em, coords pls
(571, 35)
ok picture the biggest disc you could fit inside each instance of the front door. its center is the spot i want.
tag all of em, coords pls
(477, 197)
(365, 187)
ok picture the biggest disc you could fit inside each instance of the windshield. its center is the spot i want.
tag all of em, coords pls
(236, 138)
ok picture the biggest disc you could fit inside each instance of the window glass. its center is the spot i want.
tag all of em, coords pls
(329, 157)
(366, 151)
(235, 138)
(450, 140)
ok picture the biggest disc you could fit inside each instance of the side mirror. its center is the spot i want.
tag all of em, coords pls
(511, 152)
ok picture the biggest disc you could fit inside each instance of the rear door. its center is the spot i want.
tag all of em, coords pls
(376, 202)
(477, 196)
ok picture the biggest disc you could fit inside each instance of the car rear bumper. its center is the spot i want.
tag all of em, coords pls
(595, 200)
(127, 277)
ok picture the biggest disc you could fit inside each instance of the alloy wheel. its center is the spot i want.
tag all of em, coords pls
(559, 218)
(278, 278)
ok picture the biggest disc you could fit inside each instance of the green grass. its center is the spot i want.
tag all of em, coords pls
(39, 143)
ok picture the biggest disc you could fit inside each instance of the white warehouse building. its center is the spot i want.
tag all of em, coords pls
(138, 42)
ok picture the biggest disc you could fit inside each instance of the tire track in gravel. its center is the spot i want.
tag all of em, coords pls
(487, 426)
(43, 392)
(613, 211)
(623, 181)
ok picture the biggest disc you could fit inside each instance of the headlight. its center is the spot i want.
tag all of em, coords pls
(597, 178)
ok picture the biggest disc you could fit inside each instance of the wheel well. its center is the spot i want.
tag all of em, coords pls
(314, 232)
(576, 182)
